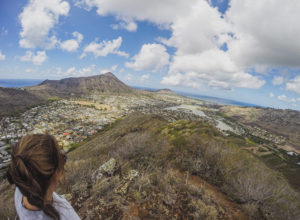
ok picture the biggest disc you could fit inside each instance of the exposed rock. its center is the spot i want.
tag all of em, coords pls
(110, 168)
(131, 175)
(127, 180)
(67, 196)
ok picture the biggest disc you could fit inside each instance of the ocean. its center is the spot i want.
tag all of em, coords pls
(14, 83)
(211, 99)
(218, 100)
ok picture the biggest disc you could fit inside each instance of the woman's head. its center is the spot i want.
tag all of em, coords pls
(37, 165)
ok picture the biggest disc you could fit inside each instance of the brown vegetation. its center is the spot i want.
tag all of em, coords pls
(16, 100)
(186, 170)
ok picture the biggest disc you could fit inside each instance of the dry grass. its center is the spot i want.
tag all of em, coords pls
(175, 162)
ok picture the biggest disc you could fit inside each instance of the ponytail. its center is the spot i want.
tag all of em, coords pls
(51, 211)
(35, 159)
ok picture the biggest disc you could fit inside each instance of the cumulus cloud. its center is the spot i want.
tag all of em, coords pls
(104, 48)
(112, 69)
(128, 25)
(2, 56)
(74, 72)
(271, 95)
(259, 35)
(202, 29)
(156, 11)
(129, 77)
(277, 80)
(294, 85)
(152, 57)
(284, 98)
(37, 19)
(30, 70)
(199, 59)
(145, 77)
(37, 59)
(213, 67)
(72, 44)
(266, 32)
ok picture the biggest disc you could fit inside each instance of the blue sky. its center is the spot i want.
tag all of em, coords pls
(243, 50)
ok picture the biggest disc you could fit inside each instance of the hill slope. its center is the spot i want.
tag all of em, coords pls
(15, 100)
(277, 121)
(105, 83)
(143, 167)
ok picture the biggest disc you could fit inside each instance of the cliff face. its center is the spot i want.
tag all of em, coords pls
(105, 83)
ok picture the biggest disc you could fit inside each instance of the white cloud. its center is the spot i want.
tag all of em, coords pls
(72, 44)
(129, 77)
(112, 69)
(37, 59)
(294, 85)
(198, 60)
(2, 56)
(277, 80)
(104, 48)
(156, 11)
(286, 99)
(260, 35)
(145, 77)
(271, 95)
(266, 32)
(151, 57)
(37, 19)
(74, 72)
(128, 25)
(29, 70)
(202, 29)
(213, 67)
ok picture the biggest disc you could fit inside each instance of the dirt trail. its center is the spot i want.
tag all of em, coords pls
(232, 210)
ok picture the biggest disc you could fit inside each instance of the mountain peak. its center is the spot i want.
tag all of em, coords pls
(109, 74)
(103, 83)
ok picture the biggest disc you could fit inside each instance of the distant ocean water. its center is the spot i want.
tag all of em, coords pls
(207, 98)
(14, 83)
(218, 100)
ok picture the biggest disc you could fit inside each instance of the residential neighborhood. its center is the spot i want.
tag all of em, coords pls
(74, 120)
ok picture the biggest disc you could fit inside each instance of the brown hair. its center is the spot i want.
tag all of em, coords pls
(35, 159)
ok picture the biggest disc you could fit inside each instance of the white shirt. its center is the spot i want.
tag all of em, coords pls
(63, 207)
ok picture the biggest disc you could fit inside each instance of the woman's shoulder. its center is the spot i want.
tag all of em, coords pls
(64, 208)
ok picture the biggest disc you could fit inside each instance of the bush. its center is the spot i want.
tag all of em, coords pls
(236, 172)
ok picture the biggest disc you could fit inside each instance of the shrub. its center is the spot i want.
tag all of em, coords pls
(238, 173)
